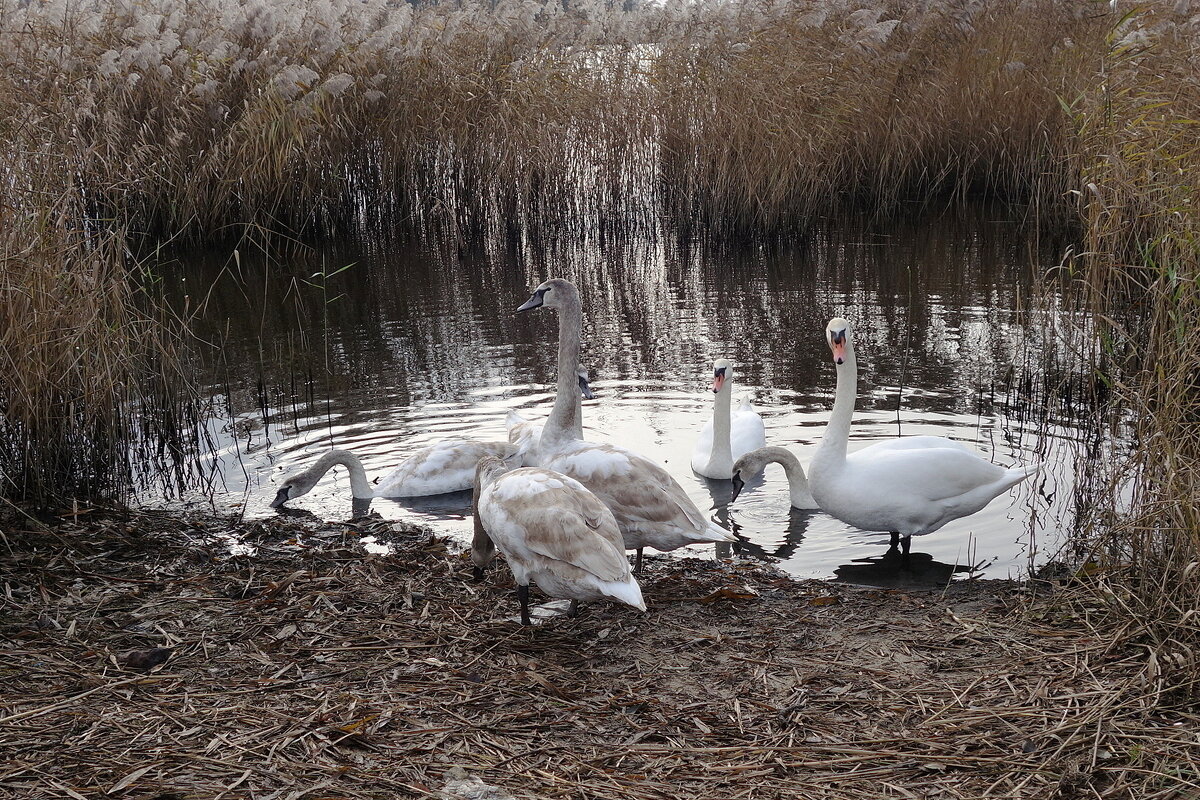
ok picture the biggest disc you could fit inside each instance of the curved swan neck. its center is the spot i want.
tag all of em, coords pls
(564, 422)
(722, 451)
(359, 485)
(797, 480)
(837, 432)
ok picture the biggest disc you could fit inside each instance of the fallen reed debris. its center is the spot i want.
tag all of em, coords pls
(300, 667)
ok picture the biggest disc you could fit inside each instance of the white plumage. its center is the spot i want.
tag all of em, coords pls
(908, 487)
(727, 436)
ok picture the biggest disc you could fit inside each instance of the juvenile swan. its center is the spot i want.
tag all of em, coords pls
(726, 437)
(756, 461)
(651, 509)
(447, 466)
(552, 532)
(909, 487)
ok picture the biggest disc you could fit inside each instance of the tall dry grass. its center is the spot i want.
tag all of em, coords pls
(1139, 188)
(208, 115)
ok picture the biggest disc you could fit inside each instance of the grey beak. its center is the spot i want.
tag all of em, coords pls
(533, 302)
(281, 497)
(738, 483)
(585, 389)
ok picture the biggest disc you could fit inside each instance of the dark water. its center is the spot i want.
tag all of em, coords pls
(417, 341)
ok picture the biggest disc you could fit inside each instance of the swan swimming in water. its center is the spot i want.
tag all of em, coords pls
(909, 486)
(651, 508)
(553, 532)
(440, 468)
(726, 436)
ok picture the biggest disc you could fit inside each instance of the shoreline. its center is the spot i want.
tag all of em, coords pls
(312, 670)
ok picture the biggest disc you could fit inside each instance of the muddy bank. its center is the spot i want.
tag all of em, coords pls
(301, 667)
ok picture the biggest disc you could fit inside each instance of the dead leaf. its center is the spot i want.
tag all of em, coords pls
(827, 600)
(729, 593)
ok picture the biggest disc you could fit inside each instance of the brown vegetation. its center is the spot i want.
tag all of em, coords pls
(309, 670)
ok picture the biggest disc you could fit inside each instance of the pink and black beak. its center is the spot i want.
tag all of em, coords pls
(718, 379)
(837, 343)
(584, 388)
(738, 483)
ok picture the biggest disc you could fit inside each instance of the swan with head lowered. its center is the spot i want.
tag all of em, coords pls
(727, 436)
(440, 468)
(908, 487)
(553, 532)
(651, 508)
(756, 461)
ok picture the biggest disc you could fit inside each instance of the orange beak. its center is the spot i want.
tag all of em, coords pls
(839, 353)
(718, 382)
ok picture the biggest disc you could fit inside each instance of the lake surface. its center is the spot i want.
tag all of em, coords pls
(417, 341)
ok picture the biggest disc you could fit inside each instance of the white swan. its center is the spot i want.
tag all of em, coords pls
(440, 468)
(552, 532)
(526, 433)
(908, 487)
(755, 461)
(651, 508)
(726, 437)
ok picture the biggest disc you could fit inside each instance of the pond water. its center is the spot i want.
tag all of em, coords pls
(416, 341)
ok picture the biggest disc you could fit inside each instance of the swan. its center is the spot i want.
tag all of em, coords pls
(755, 461)
(909, 486)
(440, 468)
(651, 508)
(553, 532)
(525, 433)
(724, 437)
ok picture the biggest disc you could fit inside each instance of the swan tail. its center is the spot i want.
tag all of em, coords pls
(627, 592)
(715, 533)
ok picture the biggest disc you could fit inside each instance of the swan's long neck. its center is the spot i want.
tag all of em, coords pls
(721, 449)
(360, 487)
(565, 421)
(832, 449)
(797, 480)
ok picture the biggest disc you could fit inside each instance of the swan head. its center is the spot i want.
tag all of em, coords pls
(585, 388)
(554, 293)
(748, 465)
(722, 374)
(295, 485)
(837, 336)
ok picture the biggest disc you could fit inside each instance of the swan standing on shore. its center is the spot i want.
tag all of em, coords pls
(651, 508)
(726, 437)
(440, 468)
(553, 532)
(907, 487)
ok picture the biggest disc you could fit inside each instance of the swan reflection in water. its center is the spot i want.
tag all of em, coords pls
(896, 570)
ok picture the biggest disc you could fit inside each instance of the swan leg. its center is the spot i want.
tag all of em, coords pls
(895, 539)
(905, 543)
(637, 565)
(573, 612)
(523, 596)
